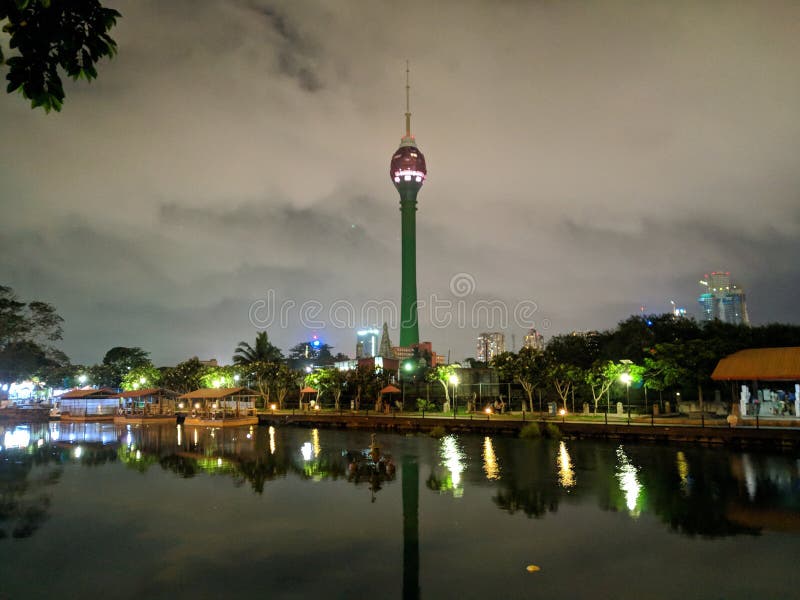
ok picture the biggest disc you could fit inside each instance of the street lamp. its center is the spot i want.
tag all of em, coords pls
(626, 379)
(82, 378)
(454, 380)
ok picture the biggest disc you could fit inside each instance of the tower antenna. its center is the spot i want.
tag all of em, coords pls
(408, 103)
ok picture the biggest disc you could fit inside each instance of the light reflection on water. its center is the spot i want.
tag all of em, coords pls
(453, 460)
(566, 474)
(693, 491)
(683, 472)
(627, 475)
(490, 465)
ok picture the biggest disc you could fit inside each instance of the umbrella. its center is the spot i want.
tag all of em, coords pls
(390, 389)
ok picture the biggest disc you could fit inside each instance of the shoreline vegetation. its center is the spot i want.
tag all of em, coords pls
(652, 365)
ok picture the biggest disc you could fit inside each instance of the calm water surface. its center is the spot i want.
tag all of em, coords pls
(90, 510)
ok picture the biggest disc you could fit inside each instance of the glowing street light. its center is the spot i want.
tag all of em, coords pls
(626, 379)
(82, 378)
(454, 380)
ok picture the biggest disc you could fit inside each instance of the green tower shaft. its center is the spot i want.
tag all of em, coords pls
(409, 325)
(411, 589)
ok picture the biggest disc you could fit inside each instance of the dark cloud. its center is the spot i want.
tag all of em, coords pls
(587, 157)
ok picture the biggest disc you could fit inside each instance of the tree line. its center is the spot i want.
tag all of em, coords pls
(649, 353)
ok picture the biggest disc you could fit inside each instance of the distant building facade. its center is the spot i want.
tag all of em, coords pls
(722, 300)
(489, 345)
(367, 342)
(533, 340)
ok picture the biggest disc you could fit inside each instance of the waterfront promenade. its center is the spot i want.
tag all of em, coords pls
(767, 432)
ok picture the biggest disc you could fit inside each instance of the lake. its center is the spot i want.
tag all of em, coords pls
(90, 510)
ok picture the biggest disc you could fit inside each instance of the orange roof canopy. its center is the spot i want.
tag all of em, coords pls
(760, 364)
(390, 389)
(218, 393)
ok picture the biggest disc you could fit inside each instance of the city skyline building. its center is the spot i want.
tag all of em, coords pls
(533, 340)
(722, 300)
(489, 345)
(367, 342)
(407, 171)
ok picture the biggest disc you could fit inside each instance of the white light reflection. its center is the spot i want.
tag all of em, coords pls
(628, 482)
(19, 438)
(750, 479)
(490, 465)
(452, 460)
(315, 442)
(180, 434)
(78, 452)
(306, 451)
(271, 439)
(566, 474)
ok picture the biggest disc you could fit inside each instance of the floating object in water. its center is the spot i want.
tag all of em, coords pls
(532, 568)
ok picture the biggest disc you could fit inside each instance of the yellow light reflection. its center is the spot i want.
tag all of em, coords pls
(271, 439)
(628, 482)
(490, 465)
(452, 460)
(566, 474)
(195, 436)
(683, 472)
(315, 442)
(180, 434)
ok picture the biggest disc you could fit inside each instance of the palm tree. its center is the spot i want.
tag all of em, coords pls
(263, 351)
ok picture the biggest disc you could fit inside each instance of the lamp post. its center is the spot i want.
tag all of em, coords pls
(626, 379)
(454, 380)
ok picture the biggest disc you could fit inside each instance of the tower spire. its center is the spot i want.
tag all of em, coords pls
(408, 103)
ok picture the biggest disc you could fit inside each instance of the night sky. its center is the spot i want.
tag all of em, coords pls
(589, 157)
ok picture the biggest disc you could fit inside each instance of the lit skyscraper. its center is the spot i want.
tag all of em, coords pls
(723, 300)
(533, 340)
(490, 345)
(367, 342)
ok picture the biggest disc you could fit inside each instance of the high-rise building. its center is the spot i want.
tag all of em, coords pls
(367, 342)
(533, 340)
(722, 300)
(407, 171)
(490, 345)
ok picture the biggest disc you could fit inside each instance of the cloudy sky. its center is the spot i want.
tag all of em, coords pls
(585, 159)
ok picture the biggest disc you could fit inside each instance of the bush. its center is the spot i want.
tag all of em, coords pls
(438, 432)
(423, 404)
(553, 431)
(531, 431)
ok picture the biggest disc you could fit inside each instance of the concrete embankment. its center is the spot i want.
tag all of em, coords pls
(643, 431)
